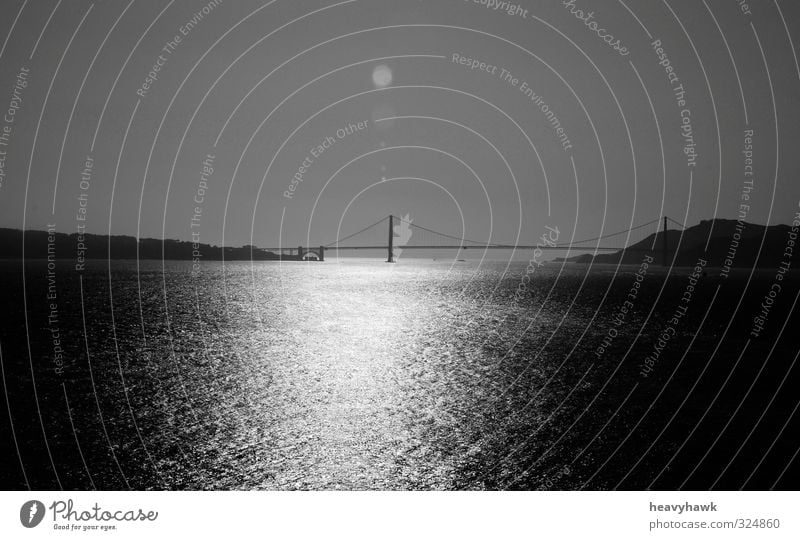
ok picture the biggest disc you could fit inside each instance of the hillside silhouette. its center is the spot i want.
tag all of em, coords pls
(690, 243)
(97, 246)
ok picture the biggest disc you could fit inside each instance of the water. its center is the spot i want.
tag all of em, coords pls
(361, 375)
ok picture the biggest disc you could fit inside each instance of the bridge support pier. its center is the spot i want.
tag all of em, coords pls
(321, 253)
(390, 256)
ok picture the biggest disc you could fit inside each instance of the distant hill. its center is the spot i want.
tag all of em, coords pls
(691, 245)
(97, 246)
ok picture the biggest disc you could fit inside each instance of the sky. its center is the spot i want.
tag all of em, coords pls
(492, 124)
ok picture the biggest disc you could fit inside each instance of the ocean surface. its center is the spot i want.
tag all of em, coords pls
(357, 374)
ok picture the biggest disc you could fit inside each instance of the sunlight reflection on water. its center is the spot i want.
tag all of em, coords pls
(361, 374)
(349, 375)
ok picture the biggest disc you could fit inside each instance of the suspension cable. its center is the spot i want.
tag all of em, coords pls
(681, 225)
(338, 240)
(462, 239)
(614, 234)
(441, 234)
(490, 244)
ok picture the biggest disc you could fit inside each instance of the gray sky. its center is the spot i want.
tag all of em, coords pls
(243, 81)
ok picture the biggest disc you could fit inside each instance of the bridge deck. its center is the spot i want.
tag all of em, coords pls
(289, 252)
(496, 246)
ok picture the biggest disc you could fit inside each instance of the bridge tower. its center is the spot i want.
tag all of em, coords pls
(664, 249)
(390, 257)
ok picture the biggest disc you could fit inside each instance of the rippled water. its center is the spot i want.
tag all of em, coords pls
(348, 375)
(358, 375)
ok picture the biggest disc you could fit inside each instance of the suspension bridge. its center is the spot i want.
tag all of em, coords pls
(402, 234)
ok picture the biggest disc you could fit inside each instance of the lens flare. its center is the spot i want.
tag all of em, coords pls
(382, 76)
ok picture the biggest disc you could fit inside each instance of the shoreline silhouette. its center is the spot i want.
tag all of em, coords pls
(723, 243)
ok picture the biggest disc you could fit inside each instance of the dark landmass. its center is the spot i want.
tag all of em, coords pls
(733, 244)
(95, 246)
